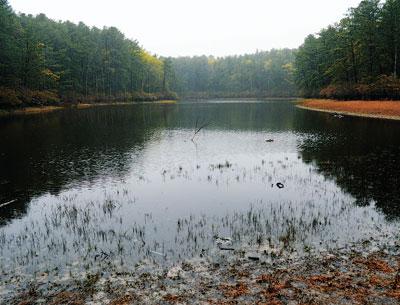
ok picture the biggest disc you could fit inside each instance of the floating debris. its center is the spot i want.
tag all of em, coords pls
(8, 203)
(158, 253)
(338, 115)
(226, 249)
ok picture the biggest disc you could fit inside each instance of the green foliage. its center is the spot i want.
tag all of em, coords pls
(260, 74)
(10, 33)
(353, 58)
(384, 86)
(9, 97)
(74, 60)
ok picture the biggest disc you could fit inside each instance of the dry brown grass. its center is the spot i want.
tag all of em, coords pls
(35, 110)
(378, 109)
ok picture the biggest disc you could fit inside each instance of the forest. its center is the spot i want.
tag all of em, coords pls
(46, 62)
(356, 58)
(263, 74)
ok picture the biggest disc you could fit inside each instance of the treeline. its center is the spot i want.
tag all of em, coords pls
(44, 62)
(263, 74)
(47, 62)
(357, 58)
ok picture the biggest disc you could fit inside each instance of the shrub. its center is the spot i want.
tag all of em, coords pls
(9, 98)
(383, 87)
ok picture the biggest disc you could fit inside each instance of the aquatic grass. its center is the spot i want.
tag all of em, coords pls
(116, 229)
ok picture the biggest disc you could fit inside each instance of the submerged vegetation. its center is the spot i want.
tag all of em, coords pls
(99, 221)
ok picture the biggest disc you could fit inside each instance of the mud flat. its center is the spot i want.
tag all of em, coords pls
(364, 273)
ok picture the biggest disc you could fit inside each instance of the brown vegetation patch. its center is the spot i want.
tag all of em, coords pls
(264, 278)
(394, 294)
(35, 110)
(235, 291)
(385, 109)
(172, 298)
(68, 298)
(126, 300)
(375, 265)
(379, 281)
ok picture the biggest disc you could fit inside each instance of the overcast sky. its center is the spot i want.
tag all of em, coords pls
(197, 27)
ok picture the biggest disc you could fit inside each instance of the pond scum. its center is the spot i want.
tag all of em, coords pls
(86, 251)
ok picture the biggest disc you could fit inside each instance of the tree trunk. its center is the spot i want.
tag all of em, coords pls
(395, 61)
(353, 59)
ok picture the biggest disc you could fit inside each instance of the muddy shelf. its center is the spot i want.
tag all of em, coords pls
(364, 273)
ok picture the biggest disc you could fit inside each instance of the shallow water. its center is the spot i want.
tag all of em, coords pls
(126, 183)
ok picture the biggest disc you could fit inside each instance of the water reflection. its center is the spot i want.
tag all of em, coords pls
(362, 156)
(122, 184)
(46, 154)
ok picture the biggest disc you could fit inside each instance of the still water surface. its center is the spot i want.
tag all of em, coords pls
(126, 183)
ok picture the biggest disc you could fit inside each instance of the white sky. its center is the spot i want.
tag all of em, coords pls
(189, 27)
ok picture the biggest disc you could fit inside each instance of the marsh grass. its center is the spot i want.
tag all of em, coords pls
(72, 233)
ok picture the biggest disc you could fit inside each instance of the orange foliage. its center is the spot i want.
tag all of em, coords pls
(384, 87)
(172, 298)
(377, 108)
(376, 265)
(235, 291)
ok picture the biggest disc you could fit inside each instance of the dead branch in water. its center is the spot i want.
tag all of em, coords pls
(197, 130)
(7, 203)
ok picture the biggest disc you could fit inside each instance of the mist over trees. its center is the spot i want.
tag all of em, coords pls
(358, 57)
(263, 74)
(43, 61)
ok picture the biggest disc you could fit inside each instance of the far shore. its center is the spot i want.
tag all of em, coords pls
(47, 109)
(387, 110)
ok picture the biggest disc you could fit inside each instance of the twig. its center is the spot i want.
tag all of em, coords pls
(397, 279)
(198, 130)
(7, 203)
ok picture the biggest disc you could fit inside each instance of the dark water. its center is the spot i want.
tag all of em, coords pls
(126, 183)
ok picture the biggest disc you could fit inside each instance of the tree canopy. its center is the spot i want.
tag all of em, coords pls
(263, 74)
(46, 61)
(73, 61)
(358, 57)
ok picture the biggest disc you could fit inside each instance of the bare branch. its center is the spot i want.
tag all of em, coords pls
(199, 129)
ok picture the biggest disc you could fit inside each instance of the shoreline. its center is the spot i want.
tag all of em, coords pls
(48, 109)
(383, 110)
(361, 274)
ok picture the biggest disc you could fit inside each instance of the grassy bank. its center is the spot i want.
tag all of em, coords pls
(30, 110)
(47, 109)
(17, 101)
(371, 109)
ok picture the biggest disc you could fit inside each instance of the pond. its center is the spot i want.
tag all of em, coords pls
(126, 183)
